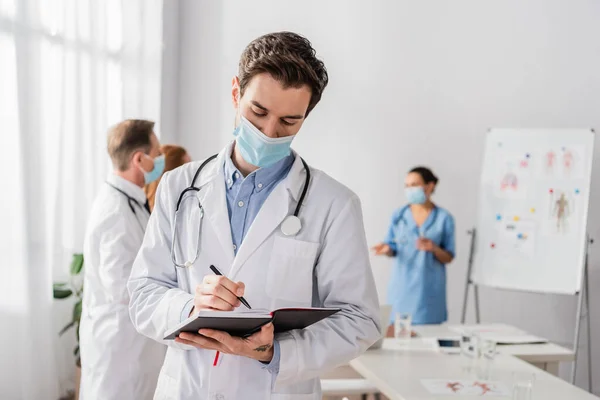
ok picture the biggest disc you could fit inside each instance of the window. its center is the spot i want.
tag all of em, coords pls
(69, 69)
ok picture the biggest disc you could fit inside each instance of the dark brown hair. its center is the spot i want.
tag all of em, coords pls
(426, 174)
(287, 57)
(126, 138)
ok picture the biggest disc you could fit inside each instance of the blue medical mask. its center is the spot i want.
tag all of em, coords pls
(159, 167)
(415, 195)
(257, 148)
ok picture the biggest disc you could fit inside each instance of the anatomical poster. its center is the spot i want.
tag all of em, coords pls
(513, 175)
(561, 162)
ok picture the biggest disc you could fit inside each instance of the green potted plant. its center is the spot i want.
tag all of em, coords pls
(64, 290)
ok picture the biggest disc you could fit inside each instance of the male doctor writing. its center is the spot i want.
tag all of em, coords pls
(247, 195)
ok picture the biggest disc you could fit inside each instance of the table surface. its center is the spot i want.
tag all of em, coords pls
(397, 373)
(533, 353)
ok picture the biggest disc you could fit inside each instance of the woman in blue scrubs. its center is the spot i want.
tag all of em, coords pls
(421, 239)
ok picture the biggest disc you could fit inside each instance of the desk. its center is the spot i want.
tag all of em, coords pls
(546, 356)
(398, 373)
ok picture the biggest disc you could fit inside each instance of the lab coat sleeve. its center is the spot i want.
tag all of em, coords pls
(449, 237)
(345, 281)
(117, 250)
(156, 301)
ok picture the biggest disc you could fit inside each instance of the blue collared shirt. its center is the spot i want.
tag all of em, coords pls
(245, 197)
(418, 282)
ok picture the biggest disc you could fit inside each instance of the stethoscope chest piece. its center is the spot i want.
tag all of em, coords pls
(291, 225)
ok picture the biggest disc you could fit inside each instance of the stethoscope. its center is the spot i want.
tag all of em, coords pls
(290, 226)
(403, 238)
(131, 201)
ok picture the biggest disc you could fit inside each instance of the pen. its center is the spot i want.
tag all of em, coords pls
(217, 272)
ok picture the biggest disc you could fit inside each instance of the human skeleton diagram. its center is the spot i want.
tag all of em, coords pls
(561, 212)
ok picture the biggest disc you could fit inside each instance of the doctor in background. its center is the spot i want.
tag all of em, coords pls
(421, 239)
(248, 195)
(116, 361)
(175, 157)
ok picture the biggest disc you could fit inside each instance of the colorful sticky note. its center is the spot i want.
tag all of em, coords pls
(532, 210)
(516, 218)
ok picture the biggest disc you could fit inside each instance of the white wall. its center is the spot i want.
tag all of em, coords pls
(413, 83)
(170, 73)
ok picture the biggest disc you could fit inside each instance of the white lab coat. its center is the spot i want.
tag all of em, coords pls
(325, 264)
(116, 361)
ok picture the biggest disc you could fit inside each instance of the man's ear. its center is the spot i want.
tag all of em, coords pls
(137, 158)
(235, 92)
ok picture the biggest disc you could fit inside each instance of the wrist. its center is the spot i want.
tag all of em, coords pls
(266, 357)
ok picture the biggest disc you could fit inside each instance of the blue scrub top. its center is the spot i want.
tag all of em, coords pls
(418, 283)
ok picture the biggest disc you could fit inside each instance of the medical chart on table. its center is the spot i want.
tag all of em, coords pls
(533, 206)
(465, 387)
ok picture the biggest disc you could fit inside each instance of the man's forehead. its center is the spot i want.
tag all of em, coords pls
(266, 92)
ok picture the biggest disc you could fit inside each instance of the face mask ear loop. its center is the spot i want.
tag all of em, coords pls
(141, 168)
(238, 110)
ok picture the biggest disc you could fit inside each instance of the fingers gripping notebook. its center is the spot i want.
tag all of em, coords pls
(245, 323)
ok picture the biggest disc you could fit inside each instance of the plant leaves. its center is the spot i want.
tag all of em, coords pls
(66, 328)
(78, 357)
(59, 293)
(76, 264)
(77, 312)
(59, 285)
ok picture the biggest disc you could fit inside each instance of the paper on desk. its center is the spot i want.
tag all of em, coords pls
(411, 344)
(462, 387)
(499, 333)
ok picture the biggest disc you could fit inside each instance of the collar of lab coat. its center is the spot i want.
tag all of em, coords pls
(275, 208)
(131, 189)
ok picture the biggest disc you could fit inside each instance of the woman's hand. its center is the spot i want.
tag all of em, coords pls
(389, 333)
(382, 249)
(425, 244)
(440, 254)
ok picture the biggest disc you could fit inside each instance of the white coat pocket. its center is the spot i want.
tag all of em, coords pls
(166, 388)
(290, 275)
